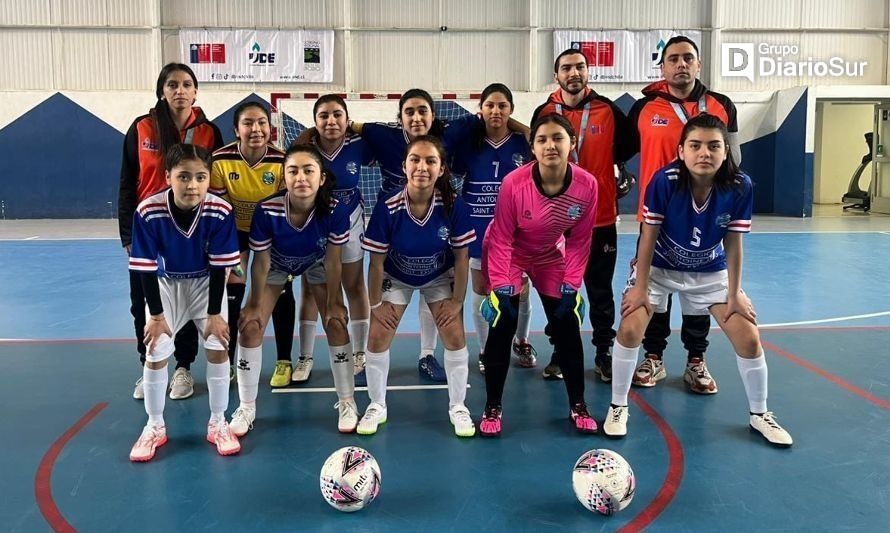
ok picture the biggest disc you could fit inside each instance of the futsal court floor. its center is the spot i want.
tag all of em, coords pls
(820, 286)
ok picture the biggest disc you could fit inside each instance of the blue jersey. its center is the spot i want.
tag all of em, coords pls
(294, 249)
(485, 168)
(346, 163)
(388, 143)
(691, 236)
(417, 251)
(159, 245)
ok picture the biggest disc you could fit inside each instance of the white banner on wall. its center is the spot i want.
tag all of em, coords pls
(620, 56)
(259, 56)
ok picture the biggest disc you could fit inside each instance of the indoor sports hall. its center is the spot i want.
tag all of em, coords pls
(79, 71)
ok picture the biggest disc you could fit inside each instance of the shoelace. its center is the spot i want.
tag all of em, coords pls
(461, 416)
(343, 407)
(180, 377)
(281, 368)
(580, 410)
(616, 414)
(492, 412)
(303, 362)
(148, 436)
(242, 414)
(222, 432)
(359, 359)
(770, 419)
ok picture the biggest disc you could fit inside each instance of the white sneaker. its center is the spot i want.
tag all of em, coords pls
(374, 416)
(462, 422)
(302, 369)
(767, 426)
(348, 417)
(615, 425)
(139, 392)
(183, 384)
(242, 420)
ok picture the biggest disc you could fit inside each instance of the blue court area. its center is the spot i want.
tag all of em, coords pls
(67, 368)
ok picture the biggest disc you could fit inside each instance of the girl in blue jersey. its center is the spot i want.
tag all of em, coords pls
(695, 213)
(493, 151)
(418, 240)
(298, 231)
(345, 153)
(183, 244)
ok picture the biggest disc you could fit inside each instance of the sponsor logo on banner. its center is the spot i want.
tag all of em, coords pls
(750, 60)
(207, 53)
(598, 54)
(257, 56)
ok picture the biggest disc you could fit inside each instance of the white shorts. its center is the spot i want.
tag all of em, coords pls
(184, 300)
(352, 251)
(475, 263)
(315, 275)
(398, 293)
(697, 291)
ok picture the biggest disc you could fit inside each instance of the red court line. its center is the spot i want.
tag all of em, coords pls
(43, 489)
(674, 476)
(827, 375)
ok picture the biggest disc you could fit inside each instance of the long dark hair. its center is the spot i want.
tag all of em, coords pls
(443, 182)
(330, 98)
(168, 133)
(187, 152)
(437, 128)
(479, 131)
(323, 198)
(727, 174)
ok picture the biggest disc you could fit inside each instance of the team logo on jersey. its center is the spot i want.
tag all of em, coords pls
(723, 220)
(596, 129)
(386, 285)
(268, 178)
(444, 233)
(149, 145)
(659, 120)
(518, 159)
(234, 176)
(351, 167)
(574, 212)
(321, 242)
(527, 214)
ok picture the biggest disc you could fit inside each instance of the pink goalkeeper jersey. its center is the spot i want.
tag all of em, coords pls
(529, 226)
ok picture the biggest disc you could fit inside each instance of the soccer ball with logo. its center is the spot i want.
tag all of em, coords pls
(350, 479)
(603, 481)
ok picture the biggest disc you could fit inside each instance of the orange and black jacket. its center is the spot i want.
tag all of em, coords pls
(656, 125)
(606, 141)
(142, 170)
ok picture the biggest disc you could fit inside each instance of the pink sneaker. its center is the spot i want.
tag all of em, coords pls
(226, 442)
(584, 423)
(152, 438)
(490, 425)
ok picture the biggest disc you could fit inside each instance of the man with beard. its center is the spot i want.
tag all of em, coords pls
(603, 141)
(656, 122)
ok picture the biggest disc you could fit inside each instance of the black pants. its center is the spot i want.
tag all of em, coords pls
(283, 318)
(566, 336)
(185, 341)
(694, 333)
(598, 281)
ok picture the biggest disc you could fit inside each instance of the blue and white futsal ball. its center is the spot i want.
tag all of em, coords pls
(603, 481)
(350, 479)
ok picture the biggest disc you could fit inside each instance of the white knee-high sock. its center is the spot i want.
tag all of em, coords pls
(359, 333)
(456, 370)
(377, 368)
(429, 335)
(525, 317)
(307, 337)
(218, 390)
(755, 377)
(480, 323)
(154, 383)
(624, 362)
(341, 367)
(249, 365)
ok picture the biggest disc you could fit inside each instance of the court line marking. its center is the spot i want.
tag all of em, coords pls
(43, 490)
(823, 320)
(827, 375)
(389, 387)
(672, 480)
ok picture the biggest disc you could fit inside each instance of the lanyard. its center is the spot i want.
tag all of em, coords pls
(680, 111)
(585, 118)
(189, 134)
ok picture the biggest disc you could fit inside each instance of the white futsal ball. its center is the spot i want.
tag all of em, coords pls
(603, 481)
(350, 479)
